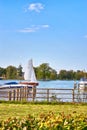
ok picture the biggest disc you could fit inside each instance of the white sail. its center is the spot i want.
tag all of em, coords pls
(29, 74)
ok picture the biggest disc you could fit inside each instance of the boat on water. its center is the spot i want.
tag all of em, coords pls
(29, 79)
(83, 85)
(1, 78)
(29, 75)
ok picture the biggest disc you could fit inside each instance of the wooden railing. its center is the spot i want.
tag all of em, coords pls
(40, 94)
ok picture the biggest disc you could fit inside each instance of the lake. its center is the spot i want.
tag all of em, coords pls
(57, 84)
(49, 84)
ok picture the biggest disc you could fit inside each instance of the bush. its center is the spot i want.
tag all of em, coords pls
(48, 121)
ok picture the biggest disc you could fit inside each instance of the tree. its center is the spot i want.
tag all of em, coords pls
(53, 74)
(79, 74)
(2, 72)
(70, 75)
(45, 72)
(11, 72)
(62, 75)
(19, 72)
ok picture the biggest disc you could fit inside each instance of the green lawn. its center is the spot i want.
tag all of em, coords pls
(21, 110)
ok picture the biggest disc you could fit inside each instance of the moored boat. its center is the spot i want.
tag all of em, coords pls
(83, 85)
(29, 79)
(29, 75)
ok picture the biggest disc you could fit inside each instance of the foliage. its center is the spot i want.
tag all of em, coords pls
(43, 72)
(2, 72)
(48, 121)
(19, 72)
(44, 102)
(28, 123)
(11, 72)
(71, 75)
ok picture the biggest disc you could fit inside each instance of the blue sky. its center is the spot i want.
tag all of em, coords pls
(48, 31)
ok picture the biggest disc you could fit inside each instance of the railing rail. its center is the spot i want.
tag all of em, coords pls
(40, 94)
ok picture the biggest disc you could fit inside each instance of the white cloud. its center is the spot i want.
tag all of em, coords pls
(27, 30)
(45, 26)
(34, 28)
(37, 7)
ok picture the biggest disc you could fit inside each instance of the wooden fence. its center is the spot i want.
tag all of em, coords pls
(43, 94)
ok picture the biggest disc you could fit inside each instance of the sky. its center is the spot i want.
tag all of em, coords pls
(48, 31)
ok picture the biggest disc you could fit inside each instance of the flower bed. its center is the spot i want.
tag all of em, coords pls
(48, 121)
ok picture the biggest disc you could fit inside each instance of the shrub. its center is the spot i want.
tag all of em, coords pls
(48, 121)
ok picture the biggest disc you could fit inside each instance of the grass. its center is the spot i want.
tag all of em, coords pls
(9, 109)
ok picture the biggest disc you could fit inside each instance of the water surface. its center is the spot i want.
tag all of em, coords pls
(49, 84)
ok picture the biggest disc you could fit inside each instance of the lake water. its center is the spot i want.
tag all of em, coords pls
(49, 84)
(56, 84)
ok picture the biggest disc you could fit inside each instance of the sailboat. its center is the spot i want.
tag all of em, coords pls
(29, 78)
(29, 75)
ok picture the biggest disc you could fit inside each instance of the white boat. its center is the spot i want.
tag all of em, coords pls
(29, 75)
(83, 85)
(29, 79)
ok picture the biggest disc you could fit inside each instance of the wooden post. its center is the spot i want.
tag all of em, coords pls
(17, 94)
(73, 95)
(9, 95)
(75, 85)
(20, 94)
(14, 95)
(27, 89)
(34, 92)
(26, 92)
(48, 95)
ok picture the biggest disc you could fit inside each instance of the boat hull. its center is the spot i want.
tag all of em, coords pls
(30, 83)
(83, 86)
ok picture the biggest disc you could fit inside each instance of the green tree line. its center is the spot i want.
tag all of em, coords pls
(11, 72)
(43, 72)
